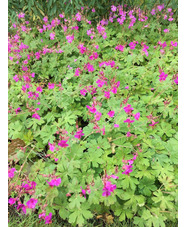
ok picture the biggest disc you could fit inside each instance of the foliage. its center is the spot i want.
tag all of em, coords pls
(35, 10)
(96, 107)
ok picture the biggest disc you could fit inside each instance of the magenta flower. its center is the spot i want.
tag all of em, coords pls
(128, 108)
(162, 76)
(51, 86)
(39, 89)
(51, 147)
(54, 182)
(119, 47)
(113, 8)
(16, 78)
(132, 45)
(103, 130)
(174, 44)
(48, 219)
(93, 10)
(52, 36)
(128, 169)
(83, 92)
(11, 201)
(127, 87)
(11, 172)
(107, 94)
(176, 80)
(92, 109)
(63, 143)
(23, 207)
(45, 19)
(111, 113)
(83, 192)
(90, 67)
(108, 188)
(166, 30)
(79, 134)
(128, 121)
(137, 116)
(114, 176)
(153, 123)
(78, 17)
(36, 116)
(128, 134)
(18, 110)
(31, 203)
(70, 38)
(98, 116)
(100, 83)
(116, 125)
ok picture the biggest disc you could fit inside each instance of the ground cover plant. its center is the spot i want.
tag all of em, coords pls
(93, 117)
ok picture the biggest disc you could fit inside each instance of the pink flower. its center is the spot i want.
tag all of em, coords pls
(111, 113)
(63, 143)
(128, 169)
(116, 126)
(137, 116)
(89, 32)
(36, 116)
(107, 94)
(119, 47)
(92, 109)
(51, 86)
(83, 192)
(103, 130)
(23, 207)
(153, 123)
(176, 80)
(128, 108)
(54, 182)
(114, 90)
(174, 44)
(18, 110)
(127, 87)
(93, 10)
(52, 36)
(39, 89)
(70, 38)
(132, 45)
(83, 92)
(79, 134)
(108, 188)
(113, 8)
(128, 121)
(162, 76)
(31, 203)
(128, 134)
(90, 67)
(78, 17)
(42, 215)
(45, 19)
(166, 30)
(11, 172)
(51, 147)
(98, 116)
(100, 83)
(114, 176)
(16, 78)
(48, 219)
(11, 201)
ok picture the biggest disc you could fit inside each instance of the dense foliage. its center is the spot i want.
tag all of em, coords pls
(93, 116)
(36, 9)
